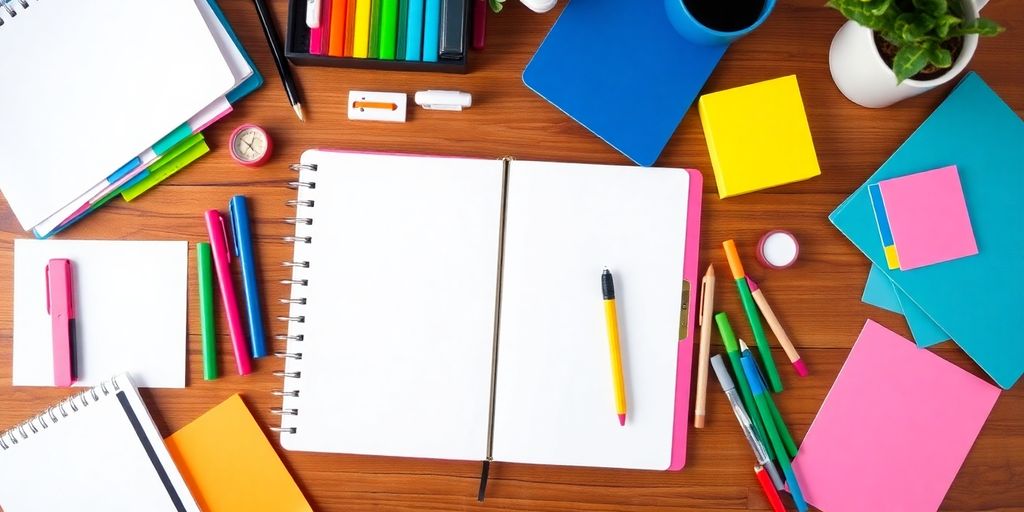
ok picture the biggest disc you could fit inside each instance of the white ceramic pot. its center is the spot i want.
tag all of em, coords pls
(863, 77)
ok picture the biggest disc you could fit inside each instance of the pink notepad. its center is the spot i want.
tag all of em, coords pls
(893, 431)
(928, 217)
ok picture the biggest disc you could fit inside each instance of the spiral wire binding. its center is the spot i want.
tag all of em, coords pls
(9, 8)
(296, 283)
(56, 412)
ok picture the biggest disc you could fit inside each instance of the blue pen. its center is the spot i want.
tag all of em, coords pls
(244, 252)
(757, 388)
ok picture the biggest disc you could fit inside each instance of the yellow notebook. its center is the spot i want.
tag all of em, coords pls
(758, 136)
(230, 466)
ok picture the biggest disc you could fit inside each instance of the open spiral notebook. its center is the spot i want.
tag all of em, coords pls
(97, 450)
(451, 308)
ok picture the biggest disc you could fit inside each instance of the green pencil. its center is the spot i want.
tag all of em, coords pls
(752, 315)
(376, 9)
(732, 351)
(204, 257)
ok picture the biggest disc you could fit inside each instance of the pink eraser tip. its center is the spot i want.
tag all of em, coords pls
(801, 368)
(751, 284)
(622, 420)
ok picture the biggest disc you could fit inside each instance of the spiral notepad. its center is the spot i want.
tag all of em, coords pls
(451, 308)
(97, 83)
(97, 450)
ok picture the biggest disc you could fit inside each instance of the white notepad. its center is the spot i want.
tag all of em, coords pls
(421, 272)
(131, 300)
(98, 450)
(96, 84)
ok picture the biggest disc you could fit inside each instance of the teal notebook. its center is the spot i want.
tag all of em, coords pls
(880, 292)
(976, 300)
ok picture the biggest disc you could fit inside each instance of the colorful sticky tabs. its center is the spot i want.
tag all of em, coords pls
(882, 219)
(375, 17)
(338, 22)
(928, 218)
(229, 465)
(180, 156)
(758, 136)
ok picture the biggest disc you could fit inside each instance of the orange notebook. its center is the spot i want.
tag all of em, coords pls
(229, 465)
(339, 16)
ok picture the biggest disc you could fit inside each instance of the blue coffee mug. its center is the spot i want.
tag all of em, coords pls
(695, 31)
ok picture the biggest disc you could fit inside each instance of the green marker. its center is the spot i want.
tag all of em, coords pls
(732, 350)
(780, 425)
(209, 330)
(752, 315)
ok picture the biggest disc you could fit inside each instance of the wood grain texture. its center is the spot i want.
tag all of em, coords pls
(818, 300)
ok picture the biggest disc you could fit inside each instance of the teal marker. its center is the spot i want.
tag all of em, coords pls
(757, 387)
(780, 425)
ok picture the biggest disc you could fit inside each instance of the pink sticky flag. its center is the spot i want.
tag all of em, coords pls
(928, 217)
(894, 430)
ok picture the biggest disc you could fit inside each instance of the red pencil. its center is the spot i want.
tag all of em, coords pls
(769, 489)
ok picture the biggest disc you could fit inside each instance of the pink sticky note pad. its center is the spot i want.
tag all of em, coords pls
(928, 217)
(893, 431)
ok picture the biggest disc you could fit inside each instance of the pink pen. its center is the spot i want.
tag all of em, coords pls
(222, 265)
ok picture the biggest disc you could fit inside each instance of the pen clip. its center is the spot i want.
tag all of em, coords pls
(235, 222)
(69, 290)
(224, 231)
(703, 300)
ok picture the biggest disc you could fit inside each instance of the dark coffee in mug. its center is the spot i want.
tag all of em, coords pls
(725, 15)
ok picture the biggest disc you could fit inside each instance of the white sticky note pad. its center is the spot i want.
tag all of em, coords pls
(131, 301)
(377, 106)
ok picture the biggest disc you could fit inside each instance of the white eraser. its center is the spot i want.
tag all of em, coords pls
(377, 106)
(444, 100)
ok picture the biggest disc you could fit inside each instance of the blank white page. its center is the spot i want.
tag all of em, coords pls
(92, 459)
(555, 400)
(131, 301)
(399, 317)
(96, 84)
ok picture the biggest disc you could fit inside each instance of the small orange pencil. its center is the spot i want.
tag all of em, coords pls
(769, 489)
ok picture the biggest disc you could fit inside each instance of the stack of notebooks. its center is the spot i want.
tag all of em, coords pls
(116, 112)
(940, 221)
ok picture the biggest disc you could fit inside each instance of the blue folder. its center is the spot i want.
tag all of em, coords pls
(880, 292)
(977, 300)
(622, 71)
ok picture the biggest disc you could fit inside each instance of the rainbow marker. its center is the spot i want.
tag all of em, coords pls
(752, 316)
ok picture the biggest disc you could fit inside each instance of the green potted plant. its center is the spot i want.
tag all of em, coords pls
(890, 50)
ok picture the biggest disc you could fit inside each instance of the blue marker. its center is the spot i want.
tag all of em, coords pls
(757, 388)
(244, 252)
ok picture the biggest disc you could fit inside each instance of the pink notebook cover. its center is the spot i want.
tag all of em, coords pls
(685, 360)
(894, 429)
(928, 217)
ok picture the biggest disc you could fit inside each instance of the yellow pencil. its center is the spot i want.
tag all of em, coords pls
(612, 324)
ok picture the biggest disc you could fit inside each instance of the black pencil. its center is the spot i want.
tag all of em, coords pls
(276, 50)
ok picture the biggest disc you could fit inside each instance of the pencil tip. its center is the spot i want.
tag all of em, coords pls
(622, 420)
(801, 368)
(298, 112)
(711, 270)
(743, 346)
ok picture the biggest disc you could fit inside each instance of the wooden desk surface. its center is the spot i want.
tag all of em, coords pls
(818, 299)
